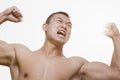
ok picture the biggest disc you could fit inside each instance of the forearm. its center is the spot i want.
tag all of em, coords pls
(115, 63)
(2, 18)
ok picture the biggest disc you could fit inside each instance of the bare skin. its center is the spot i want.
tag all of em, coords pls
(48, 62)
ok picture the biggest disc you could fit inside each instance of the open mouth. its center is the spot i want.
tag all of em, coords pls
(61, 32)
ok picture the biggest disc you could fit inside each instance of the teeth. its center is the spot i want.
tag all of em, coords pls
(61, 32)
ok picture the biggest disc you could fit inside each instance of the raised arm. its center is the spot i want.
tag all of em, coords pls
(114, 34)
(101, 71)
(7, 51)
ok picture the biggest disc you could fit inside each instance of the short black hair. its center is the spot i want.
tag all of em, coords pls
(60, 12)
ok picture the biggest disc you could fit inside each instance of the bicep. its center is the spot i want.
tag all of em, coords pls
(6, 53)
(99, 71)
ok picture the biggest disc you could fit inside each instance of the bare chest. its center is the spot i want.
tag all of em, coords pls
(47, 69)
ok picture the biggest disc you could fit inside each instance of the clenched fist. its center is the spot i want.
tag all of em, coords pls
(111, 30)
(12, 14)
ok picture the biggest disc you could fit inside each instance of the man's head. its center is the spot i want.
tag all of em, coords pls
(50, 17)
(58, 27)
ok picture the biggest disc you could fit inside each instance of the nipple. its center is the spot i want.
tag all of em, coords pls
(25, 75)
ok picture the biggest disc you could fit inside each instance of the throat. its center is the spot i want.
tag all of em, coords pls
(54, 54)
(51, 52)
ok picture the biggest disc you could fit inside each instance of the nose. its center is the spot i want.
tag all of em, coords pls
(64, 26)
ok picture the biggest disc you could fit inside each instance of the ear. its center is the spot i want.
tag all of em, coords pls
(44, 26)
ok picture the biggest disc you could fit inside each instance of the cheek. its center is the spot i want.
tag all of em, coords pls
(52, 30)
(69, 32)
(68, 35)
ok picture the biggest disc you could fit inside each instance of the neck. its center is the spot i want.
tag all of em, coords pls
(51, 49)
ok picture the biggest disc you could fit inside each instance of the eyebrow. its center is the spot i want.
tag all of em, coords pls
(67, 22)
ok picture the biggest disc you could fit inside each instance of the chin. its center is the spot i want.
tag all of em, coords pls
(61, 42)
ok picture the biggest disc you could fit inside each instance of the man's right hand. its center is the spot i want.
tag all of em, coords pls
(12, 14)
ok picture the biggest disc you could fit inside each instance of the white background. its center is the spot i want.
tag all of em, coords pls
(88, 18)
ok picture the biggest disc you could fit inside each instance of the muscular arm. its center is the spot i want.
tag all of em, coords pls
(98, 71)
(7, 51)
(101, 71)
(115, 63)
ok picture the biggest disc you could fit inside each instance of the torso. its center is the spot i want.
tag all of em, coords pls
(36, 66)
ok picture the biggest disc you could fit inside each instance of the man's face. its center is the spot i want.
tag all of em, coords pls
(59, 28)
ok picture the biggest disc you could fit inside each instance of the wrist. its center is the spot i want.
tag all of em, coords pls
(3, 18)
(116, 37)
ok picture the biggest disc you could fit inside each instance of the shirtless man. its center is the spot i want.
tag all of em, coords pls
(49, 63)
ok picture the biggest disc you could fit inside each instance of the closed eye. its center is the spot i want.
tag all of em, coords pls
(69, 24)
(60, 21)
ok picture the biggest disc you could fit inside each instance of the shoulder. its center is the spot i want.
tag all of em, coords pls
(13, 47)
(78, 61)
(21, 51)
(20, 48)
